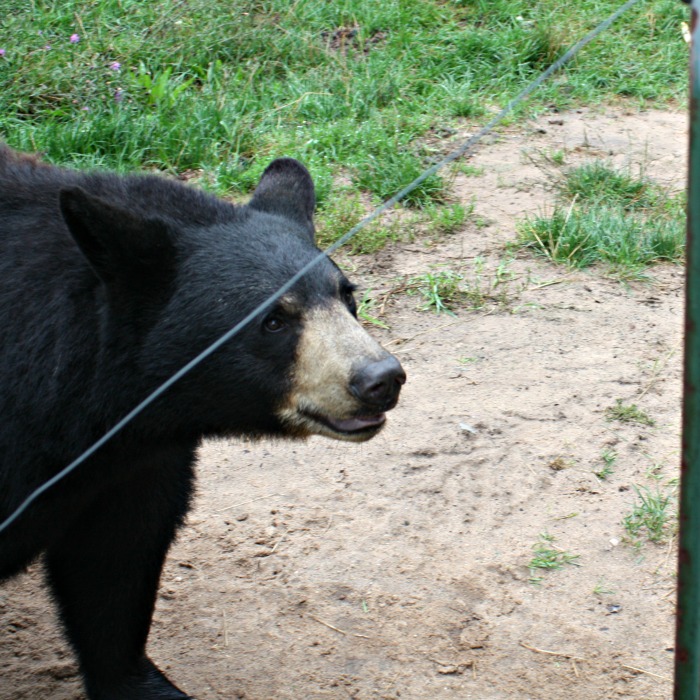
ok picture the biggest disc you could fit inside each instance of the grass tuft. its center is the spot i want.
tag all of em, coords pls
(608, 459)
(366, 310)
(628, 414)
(651, 517)
(607, 216)
(441, 290)
(582, 237)
(445, 289)
(548, 557)
(600, 184)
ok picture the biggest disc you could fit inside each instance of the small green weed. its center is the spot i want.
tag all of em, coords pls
(568, 516)
(603, 473)
(365, 307)
(161, 87)
(655, 471)
(495, 286)
(555, 157)
(601, 588)
(608, 457)
(628, 414)
(651, 516)
(469, 170)
(548, 557)
(443, 289)
(447, 219)
(440, 290)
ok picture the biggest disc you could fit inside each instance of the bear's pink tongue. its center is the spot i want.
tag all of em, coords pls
(350, 425)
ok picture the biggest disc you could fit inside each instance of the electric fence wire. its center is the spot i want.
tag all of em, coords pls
(565, 58)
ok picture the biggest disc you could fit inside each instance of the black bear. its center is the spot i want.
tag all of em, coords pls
(108, 285)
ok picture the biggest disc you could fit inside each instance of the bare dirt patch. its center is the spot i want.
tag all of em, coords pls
(398, 569)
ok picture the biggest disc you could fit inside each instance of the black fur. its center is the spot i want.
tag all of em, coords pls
(108, 285)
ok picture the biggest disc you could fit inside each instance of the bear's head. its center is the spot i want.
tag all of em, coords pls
(175, 269)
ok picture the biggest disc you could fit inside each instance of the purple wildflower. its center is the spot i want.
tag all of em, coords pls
(74, 39)
(2, 52)
(115, 66)
(118, 95)
(47, 47)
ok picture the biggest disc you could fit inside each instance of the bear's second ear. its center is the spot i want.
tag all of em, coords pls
(118, 244)
(286, 188)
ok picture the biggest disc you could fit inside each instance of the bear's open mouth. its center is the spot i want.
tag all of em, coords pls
(351, 426)
(357, 424)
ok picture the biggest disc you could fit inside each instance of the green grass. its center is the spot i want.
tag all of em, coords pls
(441, 290)
(366, 310)
(444, 289)
(219, 87)
(608, 459)
(343, 210)
(602, 588)
(611, 217)
(447, 219)
(652, 517)
(601, 184)
(626, 243)
(468, 169)
(628, 413)
(548, 557)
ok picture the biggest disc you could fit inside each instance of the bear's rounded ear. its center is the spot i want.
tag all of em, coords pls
(117, 243)
(286, 188)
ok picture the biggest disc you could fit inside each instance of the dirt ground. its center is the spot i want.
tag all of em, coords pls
(398, 569)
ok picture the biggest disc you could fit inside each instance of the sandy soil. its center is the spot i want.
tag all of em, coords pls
(398, 569)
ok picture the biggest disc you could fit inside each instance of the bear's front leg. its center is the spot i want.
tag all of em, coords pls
(104, 575)
(145, 683)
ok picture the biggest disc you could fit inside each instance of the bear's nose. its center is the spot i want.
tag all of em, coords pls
(379, 382)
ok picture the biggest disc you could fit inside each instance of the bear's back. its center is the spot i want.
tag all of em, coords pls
(29, 193)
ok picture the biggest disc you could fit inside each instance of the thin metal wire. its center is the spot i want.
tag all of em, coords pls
(565, 58)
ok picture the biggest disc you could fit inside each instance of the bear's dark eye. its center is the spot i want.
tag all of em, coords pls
(274, 324)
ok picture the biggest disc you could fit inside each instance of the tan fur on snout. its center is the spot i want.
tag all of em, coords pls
(332, 344)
